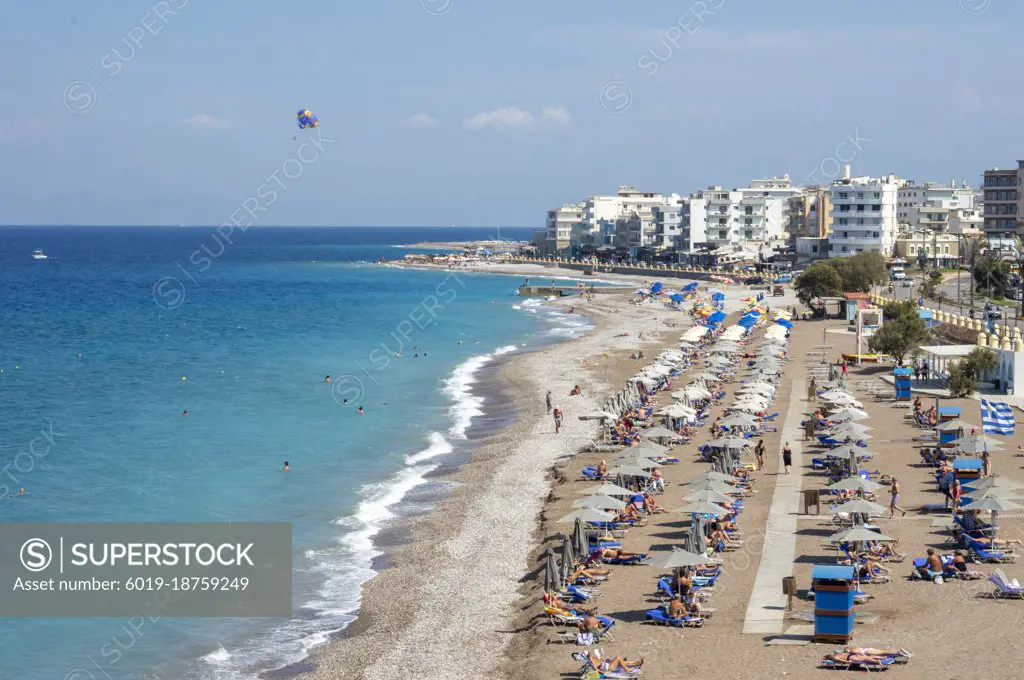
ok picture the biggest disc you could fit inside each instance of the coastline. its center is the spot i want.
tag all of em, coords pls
(468, 555)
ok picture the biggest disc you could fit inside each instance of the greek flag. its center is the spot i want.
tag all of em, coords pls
(996, 417)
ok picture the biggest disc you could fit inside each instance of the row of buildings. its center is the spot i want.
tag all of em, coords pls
(774, 218)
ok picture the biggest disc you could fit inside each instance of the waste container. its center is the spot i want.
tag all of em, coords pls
(812, 497)
(833, 603)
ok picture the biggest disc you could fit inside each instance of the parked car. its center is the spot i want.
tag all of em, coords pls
(993, 311)
(907, 283)
(778, 291)
(754, 281)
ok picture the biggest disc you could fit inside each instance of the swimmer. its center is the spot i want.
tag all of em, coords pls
(345, 402)
(21, 491)
(285, 467)
(327, 379)
(184, 414)
(359, 410)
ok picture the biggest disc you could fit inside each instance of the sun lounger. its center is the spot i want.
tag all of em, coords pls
(588, 669)
(1004, 588)
(636, 559)
(860, 666)
(658, 617)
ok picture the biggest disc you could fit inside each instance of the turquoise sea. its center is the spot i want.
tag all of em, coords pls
(104, 344)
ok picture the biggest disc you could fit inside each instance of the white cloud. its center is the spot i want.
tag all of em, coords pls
(558, 115)
(204, 120)
(508, 117)
(421, 120)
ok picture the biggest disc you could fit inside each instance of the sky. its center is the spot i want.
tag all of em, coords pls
(485, 113)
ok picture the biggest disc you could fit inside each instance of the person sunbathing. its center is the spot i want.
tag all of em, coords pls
(873, 568)
(883, 550)
(617, 554)
(853, 657)
(590, 623)
(683, 584)
(588, 572)
(932, 567)
(651, 506)
(872, 651)
(676, 608)
(627, 514)
(657, 480)
(617, 664)
(602, 469)
(995, 542)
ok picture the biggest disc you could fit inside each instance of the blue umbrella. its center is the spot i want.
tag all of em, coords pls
(690, 287)
(784, 323)
(717, 317)
(676, 298)
(656, 287)
(747, 322)
(718, 296)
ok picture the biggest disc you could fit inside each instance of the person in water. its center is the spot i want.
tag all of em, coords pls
(327, 379)
(360, 410)
(285, 467)
(184, 413)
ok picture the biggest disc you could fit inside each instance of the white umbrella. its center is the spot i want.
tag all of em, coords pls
(728, 443)
(599, 415)
(993, 504)
(629, 471)
(996, 481)
(590, 515)
(854, 484)
(859, 534)
(740, 420)
(676, 411)
(708, 377)
(976, 444)
(677, 559)
(637, 461)
(708, 495)
(608, 489)
(703, 508)
(849, 413)
(710, 476)
(861, 507)
(845, 451)
(599, 503)
(659, 433)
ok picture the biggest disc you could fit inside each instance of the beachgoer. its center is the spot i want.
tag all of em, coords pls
(612, 665)
(184, 414)
(21, 491)
(759, 453)
(547, 401)
(285, 467)
(602, 469)
(590, 623)
(558, 420)
(872, 651)
(812, 389)
(955, 493)
(676, 609)
(327, 379)
(894, 489)
(360, 410)
(986, 463)
(787, 457)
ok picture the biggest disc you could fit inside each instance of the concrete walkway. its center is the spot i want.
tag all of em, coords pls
(766, 610)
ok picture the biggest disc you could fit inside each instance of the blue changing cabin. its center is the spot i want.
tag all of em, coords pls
(833, 603)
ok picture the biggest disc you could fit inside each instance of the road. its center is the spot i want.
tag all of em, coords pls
(949, 292)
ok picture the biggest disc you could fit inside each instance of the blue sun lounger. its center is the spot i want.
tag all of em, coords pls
(859, 666)
(658, 617)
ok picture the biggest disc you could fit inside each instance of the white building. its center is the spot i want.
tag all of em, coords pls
(864, 214)
(966, 221)
(927, 206)
(747, 217)
(560, 224)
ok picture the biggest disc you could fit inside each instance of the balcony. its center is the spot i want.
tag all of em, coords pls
(853, 238)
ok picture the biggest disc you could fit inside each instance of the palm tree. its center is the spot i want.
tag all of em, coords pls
(972, 251)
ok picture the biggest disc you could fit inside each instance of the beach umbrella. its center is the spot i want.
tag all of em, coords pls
(759, 387)
(678, 559)
(659, 433)
(599, 503)
(995, 481)
(599, 415)
(845, 451)
(647, 448)
(690, 540)
(590, 515)
(998, 492)
(729, 443)
(976, 444)
(696, 392)
(676, 411)
(580, 539)
(568, 562)
(854, 484)
(698, 530)
(710, 476)
(630, 471)
(607, 489)
(859, 534)
(552, 577)
(707, 495)
(708, 377)
(836, 394)
(709, 485)
(703, 508)
(853, 468)
(850, 430)
(956, 424)
(636, 461)
(992, 504)
(861, 507)
(740, 420)
(747, 407)
(849, 413)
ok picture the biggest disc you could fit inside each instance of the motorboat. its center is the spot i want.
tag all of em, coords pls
(39, 254)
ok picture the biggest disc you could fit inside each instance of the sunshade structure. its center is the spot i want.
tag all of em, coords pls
(629, 471)
(740, 420)
(852, 430)
(707, 495)
(676, 411)
(644, 448)
(589, 515)
(836, 394)
(854, 484)
(956, 424)
(659, 433)
(637, 461)
(608, 489)
(849, 413)
(861, 507)
(599, 503)
(996, 481)
(580, 539)
(552, 576)
(860, 534)
(703, 508)
(710, 476)
(992, 504)
(999, 492)
(729, 443)
(599, 415)
(679, 559)
(707, 376)
(845, 451)
(568, 562)
(709, 485)
(976, 444)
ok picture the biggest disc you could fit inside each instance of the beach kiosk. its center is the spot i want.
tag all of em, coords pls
(948, 413)
(901, 379)
(833, 602)
(967, 469)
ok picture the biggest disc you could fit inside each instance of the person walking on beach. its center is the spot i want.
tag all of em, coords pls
(894, 499)
(986, 463)
(812, 389)
(955, 492)
(547, 400)
(787, 457)
(558, 420)
(759, 453)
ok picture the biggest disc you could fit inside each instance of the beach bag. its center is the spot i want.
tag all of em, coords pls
(585, 639)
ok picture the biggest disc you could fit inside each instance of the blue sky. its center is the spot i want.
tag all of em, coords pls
(486, 112)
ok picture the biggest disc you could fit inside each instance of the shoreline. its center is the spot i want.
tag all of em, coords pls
(453, 559)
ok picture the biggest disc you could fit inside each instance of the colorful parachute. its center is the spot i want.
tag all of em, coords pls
(307, 119)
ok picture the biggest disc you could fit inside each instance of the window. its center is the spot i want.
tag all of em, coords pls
(913, 250)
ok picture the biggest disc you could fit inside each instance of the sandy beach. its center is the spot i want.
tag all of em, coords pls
(462, 597)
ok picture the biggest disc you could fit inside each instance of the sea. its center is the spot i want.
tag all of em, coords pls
(104, 345)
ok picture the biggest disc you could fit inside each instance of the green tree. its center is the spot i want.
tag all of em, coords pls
(965, 374)
(819, 280)
(861, 271)
(902, 331)
(991, 275)
(922, 259)
(930, 283)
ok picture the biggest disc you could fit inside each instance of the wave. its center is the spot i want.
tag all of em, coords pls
(459, 387)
